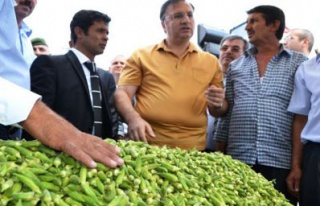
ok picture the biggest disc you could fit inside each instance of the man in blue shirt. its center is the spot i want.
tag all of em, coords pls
(259, 84)
(13, 68)
(305, 103)
(23, 9)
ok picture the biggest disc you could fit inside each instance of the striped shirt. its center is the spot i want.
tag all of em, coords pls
(257, 128)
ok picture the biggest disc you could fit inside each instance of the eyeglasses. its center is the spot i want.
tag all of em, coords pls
(180, 15)
(232, 48)
(118, 62)
(289, 38)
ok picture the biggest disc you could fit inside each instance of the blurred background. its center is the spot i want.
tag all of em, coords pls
(136, 23)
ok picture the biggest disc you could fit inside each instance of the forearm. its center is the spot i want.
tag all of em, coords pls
(124, 106)
(219, 111)
(57, 133)
(297, 146)
(221, 146)
(47, 126)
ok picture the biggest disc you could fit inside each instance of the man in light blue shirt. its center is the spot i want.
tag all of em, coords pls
(14, 40)
(305, 103)
(23, 9)
(12, 66)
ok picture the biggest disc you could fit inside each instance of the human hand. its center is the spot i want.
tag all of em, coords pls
(57, 133)
(293, 181)
(215, 96)
(88, 149)
(138, 128)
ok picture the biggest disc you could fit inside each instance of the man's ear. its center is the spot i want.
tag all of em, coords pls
(306, 41)
(276, 25)
(163, 26)
(78, 32)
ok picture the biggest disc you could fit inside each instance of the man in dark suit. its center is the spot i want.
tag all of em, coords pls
(64, 81)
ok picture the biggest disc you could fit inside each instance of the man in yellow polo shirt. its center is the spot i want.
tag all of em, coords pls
(173, 83)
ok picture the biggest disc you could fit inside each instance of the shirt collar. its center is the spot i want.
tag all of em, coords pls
(24, 27)
(253, 50)
(82, 58)
(162, 46)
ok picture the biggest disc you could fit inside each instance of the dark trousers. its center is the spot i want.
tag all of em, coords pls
(10, 133)
(279, 175)
(310, 182)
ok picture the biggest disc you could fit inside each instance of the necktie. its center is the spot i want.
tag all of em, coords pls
(96, 98)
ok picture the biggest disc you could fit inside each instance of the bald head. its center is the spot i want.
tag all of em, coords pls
(117, 64)
(300, 40)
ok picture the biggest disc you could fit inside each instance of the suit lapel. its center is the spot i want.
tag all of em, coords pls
(76, 65)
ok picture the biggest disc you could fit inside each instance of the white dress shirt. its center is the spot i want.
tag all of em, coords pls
(16, 102)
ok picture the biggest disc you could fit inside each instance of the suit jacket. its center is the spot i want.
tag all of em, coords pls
(62, 83)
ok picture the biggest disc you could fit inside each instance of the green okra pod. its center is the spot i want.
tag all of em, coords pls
(28, 182)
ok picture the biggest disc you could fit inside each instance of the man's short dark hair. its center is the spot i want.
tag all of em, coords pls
(84, 19)
(271, 14)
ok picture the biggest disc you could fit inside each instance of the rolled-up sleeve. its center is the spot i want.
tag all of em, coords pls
(15, 102)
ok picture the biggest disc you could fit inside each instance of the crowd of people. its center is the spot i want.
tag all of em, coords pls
(257, 102)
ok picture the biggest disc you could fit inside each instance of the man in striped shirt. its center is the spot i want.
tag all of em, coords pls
(259, 84)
